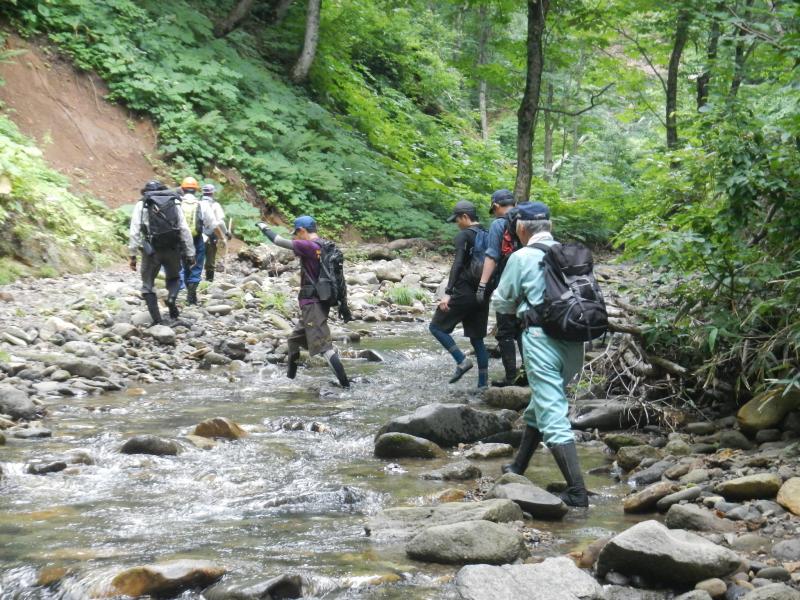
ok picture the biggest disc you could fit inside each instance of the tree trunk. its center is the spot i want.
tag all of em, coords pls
(711, 59)
(483, 40)
(301, 69)
(549, 128)
(529, 108)
(740, 56)
(681, 36)
(280, 11)
(234, 19)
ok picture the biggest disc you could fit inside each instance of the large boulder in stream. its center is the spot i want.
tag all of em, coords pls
(403, 445)
(219, 427)
(150, 444)
(552, 579)
(767, 409)
(673, 556)
(16, 403)
(406, 521)
(749, 487)
(451, 424)
(167, 579)
(535, 501)
(606, 415)
(469, 542)
(512, 397)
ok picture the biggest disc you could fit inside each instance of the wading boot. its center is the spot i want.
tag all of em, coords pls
(152, 307)
(566, 456)
(172, 305)
(508, 354)
(461, 368)
(291, 365)
(338, 368)
(209, 275)
(191, 293)
(531, 438)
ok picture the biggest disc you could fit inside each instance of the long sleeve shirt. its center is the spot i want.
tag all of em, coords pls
(457, 282)
(522, 285)
(140, 218)
(211, 206)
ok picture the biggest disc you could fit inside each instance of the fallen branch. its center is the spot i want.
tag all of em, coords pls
(578, 112)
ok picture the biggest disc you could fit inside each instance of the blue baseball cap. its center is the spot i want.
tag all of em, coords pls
(533, 211)
(306, 222)
(502, 198)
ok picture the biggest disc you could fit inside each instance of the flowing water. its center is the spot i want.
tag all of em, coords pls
(282, 499)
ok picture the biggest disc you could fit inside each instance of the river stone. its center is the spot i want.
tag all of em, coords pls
(80, 349)
(761, 485)
(2, 439)
(200, 442)
(678, 447)
(775, 591)
(16, 404)
(767, 409)
(647, 499)
(535, 501)
(605, 415)
(167, 579)
(81, 367)
(451, 424)
(45, 468)
(55, 325)
(651, 474)
(735, 440)
(629, 457)
(459, 471)
(403, 445)
(31, 433)
(691, 516)
(281, 587)
(700, 428)
(219, 427)
(489, 451)
(789, 495)
(149, 444)
(688, 494)
(469, 542)
(787, 550)
(714, 587)
(511, 397)
(615, 441)
(125, 330)
(142, 319)
(674, 556)
(617, 592)
(162, 334)
(219, 309)
(774, 573)
(695, 595)
(552, 579)
(696, 476)
(405, 521)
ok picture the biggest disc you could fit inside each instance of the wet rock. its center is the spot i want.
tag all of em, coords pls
(16, 404)
(280, 587)
(511, 397)
(735, 440)
(651, 474)
(768, 435)
(451, 424)
(31, 433)
(233, 349)
(535, 501)
(60, 375)
(489, 451)
(775, 591)
(56, 325)
(736, 591)
(694, 595)
(370, 356)
(403, 445)
(714, 587)
(167, 579)
(125, 330)
(149, 444)
(688, 494)
(700, 428)
(789, 495)
(81, 349)
(673, 556)
(552, 579)
(775, 574)
(45, 468)
(465, 543)
(677, 447)
(629, 457)
(460, 471)
(616, 441)
(767, 409)
(762, 485)
(605, 415)
(691, 516)
(787, 550)
(162, 334)
(647, 499)
(405, 521)
(81, 367)
(618, 592)
(201, 442)
(744, 513)
(219, 309)
(750, 542)
(696, 476)
(219, 427)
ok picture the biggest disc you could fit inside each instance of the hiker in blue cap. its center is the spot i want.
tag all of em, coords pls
(312, 331)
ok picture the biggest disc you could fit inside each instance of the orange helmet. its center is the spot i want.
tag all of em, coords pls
(190, 183)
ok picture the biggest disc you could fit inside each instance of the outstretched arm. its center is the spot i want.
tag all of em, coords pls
(274, 237)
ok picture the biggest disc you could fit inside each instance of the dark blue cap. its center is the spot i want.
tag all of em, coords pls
(533, 211)
(503, 197)
(306, 222)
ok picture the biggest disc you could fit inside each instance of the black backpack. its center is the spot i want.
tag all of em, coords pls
(330, 287)
(573, 309)
(163, 211)
(477, 254)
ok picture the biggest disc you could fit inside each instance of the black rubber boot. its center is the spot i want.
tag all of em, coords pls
(191, 293)
(508, 354)
(338, 369)
(209, 275)
(531, 438)
(152, 307)
(172, 305)
(566, 456)
(291, 366)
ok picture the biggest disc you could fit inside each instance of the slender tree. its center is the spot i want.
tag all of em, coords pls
(238, 14)
(303, 65)
(681, 37)
(483, 41)
(704, 80)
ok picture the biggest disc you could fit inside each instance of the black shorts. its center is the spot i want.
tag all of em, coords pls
(465, 310)
(508, 327)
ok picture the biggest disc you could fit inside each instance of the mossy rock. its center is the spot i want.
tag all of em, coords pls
(767, 409)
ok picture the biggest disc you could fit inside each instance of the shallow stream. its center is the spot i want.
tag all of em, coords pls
(279, 500)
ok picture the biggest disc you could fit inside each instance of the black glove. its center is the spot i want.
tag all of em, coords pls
(345, 314)
(188, 261)
(480, 294)
(229, 235)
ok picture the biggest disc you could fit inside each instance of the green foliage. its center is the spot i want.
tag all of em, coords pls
(404, 295)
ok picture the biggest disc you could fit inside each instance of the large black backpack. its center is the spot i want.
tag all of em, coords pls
(164, 223)
(476, 255)
(330, 286)
(573, 309)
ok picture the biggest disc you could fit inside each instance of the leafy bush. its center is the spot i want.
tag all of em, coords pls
(404, 295)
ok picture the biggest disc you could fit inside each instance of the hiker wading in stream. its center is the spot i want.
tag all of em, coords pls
(459, 304)
(312, 331)
(550, 363)
(159, 231)
(209, 203)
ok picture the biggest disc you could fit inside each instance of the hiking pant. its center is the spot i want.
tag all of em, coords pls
(312, 330)
(152, 263)
(194, 274)
(550, 364)
(211, 257)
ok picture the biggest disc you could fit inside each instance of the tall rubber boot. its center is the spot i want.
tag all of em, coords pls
(291, 367)
(566, 456)
(191, 293)
(531, 438)
(152, 307)
(172, 305)
(508, 354)
(338, 368)
(209, 275)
